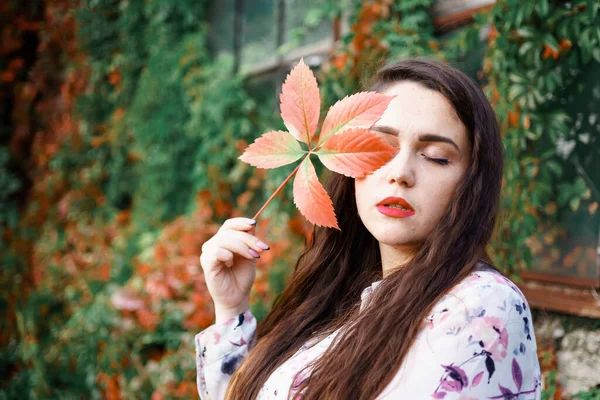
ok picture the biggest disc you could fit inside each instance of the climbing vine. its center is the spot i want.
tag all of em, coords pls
(540, 59)
(118, 159)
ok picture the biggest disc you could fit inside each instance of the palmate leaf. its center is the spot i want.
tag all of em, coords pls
(273, 149)
(311, 198)
(354, 153)
(347, 147)
(300, 103)
(360, 110)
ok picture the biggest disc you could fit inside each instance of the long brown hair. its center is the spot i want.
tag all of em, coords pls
(325, 286)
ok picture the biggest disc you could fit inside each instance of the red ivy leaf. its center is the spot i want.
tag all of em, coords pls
(361, 110)
(355, 153)
(300, 103)
(311, 197)
(273, 149)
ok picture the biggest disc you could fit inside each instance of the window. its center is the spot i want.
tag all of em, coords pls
(261, 35)
(567, 259)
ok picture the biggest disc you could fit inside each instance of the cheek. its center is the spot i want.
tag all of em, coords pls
(364, 186)
(365, 194)
(360, 188)
(440, 193)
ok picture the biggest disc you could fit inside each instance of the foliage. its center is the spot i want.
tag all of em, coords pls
(118, 157)
(536, 54)
(131, 126)
(592, 394)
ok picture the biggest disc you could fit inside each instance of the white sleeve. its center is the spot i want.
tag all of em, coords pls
(220, 349)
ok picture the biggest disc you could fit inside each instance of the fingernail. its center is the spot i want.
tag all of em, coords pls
(253, 253)
(251, 221)
(262, 245)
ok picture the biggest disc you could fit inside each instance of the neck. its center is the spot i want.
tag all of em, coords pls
(395, 257)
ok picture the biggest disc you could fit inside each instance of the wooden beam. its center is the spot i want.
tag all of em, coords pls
(584, 302)
(579, 281)
(447, 22)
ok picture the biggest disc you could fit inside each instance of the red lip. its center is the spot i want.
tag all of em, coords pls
(395, 212)
(396, 200)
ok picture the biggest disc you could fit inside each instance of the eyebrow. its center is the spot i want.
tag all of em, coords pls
(424, 137)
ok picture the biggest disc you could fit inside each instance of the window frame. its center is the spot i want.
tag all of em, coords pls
(317, 51)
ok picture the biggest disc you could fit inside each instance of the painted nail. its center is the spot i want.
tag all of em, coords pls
(253, 253)
(251, 221)
(262, 245)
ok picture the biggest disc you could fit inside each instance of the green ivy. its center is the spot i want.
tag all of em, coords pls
(592, 394)
(161, 119)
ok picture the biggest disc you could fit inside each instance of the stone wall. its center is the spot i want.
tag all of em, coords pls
(575, 342)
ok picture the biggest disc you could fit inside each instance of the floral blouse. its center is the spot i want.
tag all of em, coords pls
(477, 343)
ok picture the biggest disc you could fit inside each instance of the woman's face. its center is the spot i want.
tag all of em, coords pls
(433, 155)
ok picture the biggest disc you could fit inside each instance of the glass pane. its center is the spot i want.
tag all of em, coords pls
(299, 13)
(220, 32)
(567, 245)
(259, 32)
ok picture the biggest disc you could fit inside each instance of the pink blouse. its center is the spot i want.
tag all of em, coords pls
(477, 343)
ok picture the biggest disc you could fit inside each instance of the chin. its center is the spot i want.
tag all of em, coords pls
(399, 243)
(397, 240)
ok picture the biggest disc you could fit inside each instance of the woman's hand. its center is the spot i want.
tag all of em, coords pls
(229, 263)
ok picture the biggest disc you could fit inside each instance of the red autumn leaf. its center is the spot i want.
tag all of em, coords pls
(272, 150)
(354, 153)
(347, 146)
(361, 110)
(311, 198)
(147, 319)
(300, 103)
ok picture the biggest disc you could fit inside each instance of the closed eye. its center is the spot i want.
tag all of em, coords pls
(440, 161)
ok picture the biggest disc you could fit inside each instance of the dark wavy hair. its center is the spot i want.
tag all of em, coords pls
(324, 290)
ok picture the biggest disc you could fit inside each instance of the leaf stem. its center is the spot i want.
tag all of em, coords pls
(278, 189)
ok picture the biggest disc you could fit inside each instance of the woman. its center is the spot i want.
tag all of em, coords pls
(400, 304)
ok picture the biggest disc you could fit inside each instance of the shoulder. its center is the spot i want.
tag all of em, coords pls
(483, 297)
(480, 338)
(487, 288)
(486, 311)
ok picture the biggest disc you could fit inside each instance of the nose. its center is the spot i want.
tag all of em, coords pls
(401, 169)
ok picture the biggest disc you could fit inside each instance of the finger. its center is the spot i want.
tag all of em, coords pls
(214, 257)
(239, 224)
(225, 256)
(235, 245)
(248, 239)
